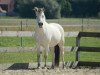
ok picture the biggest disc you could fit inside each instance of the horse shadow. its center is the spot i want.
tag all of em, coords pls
(18, 66)
(24, 66)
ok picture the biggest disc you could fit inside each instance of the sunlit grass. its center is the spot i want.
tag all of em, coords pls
(32, 56)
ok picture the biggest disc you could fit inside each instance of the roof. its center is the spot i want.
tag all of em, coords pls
(2, 11)
(5, 1)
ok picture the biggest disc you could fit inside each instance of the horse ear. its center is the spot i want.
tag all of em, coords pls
(43, 9)
(35, 9)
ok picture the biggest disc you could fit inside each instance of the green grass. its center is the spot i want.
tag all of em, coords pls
(17, 57)
(16, 41)
(85, 41)
(30, 42)
(28, 57)
(32, 57)
(87, 56)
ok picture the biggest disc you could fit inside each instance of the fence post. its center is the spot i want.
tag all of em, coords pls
(21, 36)
(82, 24)
(77, 52)
(26, 22)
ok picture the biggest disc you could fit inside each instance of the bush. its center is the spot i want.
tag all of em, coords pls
(98, 15)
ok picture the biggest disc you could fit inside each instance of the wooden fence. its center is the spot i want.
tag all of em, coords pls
(78, 48)
(86, 49)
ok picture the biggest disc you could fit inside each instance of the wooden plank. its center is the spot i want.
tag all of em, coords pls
(69, 64)
(17, 49)
(89, 49)
(66, 48)
(87, 63)
(89, 34)
(30, 34)
(71, 34)
(31, 49)
(77, 45)
(70, 48)
(16, 33)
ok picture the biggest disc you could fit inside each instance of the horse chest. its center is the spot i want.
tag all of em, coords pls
(42, 38)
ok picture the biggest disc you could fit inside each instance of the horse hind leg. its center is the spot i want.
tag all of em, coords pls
(59, 50)
(62, 55)
(57, 55)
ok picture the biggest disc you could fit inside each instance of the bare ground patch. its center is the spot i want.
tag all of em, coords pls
(52, 72)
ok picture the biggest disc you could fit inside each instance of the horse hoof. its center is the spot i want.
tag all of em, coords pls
(39, 68)
(44, 67)
(52, 67)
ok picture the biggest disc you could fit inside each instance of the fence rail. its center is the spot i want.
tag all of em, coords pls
(89, 34)
(30, 34)
(77, 49)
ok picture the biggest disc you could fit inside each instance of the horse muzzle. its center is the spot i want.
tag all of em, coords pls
(40, 24)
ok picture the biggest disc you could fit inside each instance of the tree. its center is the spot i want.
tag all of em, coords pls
(66, 8)
(85, 8)
(25, 7)
(51, 6)
(57, 8)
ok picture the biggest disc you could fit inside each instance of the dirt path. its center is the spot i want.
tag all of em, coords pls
(52, 72)
(30, 69)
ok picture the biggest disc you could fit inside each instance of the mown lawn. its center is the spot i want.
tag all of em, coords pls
(30, 42)
(31, 56)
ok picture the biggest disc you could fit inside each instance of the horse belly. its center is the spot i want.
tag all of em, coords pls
(55, 39)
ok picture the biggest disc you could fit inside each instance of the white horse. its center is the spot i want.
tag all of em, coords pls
(48, 35)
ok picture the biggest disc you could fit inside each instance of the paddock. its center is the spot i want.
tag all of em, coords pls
(76, 49)
(76, 67)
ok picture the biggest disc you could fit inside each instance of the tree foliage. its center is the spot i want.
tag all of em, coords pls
(25, 7)
(55, 8)
(85, 8)
(66, 8)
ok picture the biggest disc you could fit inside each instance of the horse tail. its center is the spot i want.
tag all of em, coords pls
(57, 54)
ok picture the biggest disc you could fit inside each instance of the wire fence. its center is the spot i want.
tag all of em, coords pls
(71, 24)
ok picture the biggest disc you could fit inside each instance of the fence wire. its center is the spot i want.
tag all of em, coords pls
(70, 24)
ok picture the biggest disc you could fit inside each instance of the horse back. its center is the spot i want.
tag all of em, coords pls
(58, 26)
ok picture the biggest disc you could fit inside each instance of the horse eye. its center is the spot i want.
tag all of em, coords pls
(42, 16)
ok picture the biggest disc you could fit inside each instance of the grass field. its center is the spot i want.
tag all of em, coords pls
(30, 42)
(28, 24)
(32, 57)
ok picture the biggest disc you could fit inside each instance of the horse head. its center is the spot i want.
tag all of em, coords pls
(40, 17)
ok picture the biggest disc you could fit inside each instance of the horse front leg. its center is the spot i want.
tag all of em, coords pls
(53, 58)
(39, 56)
(46, 55)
